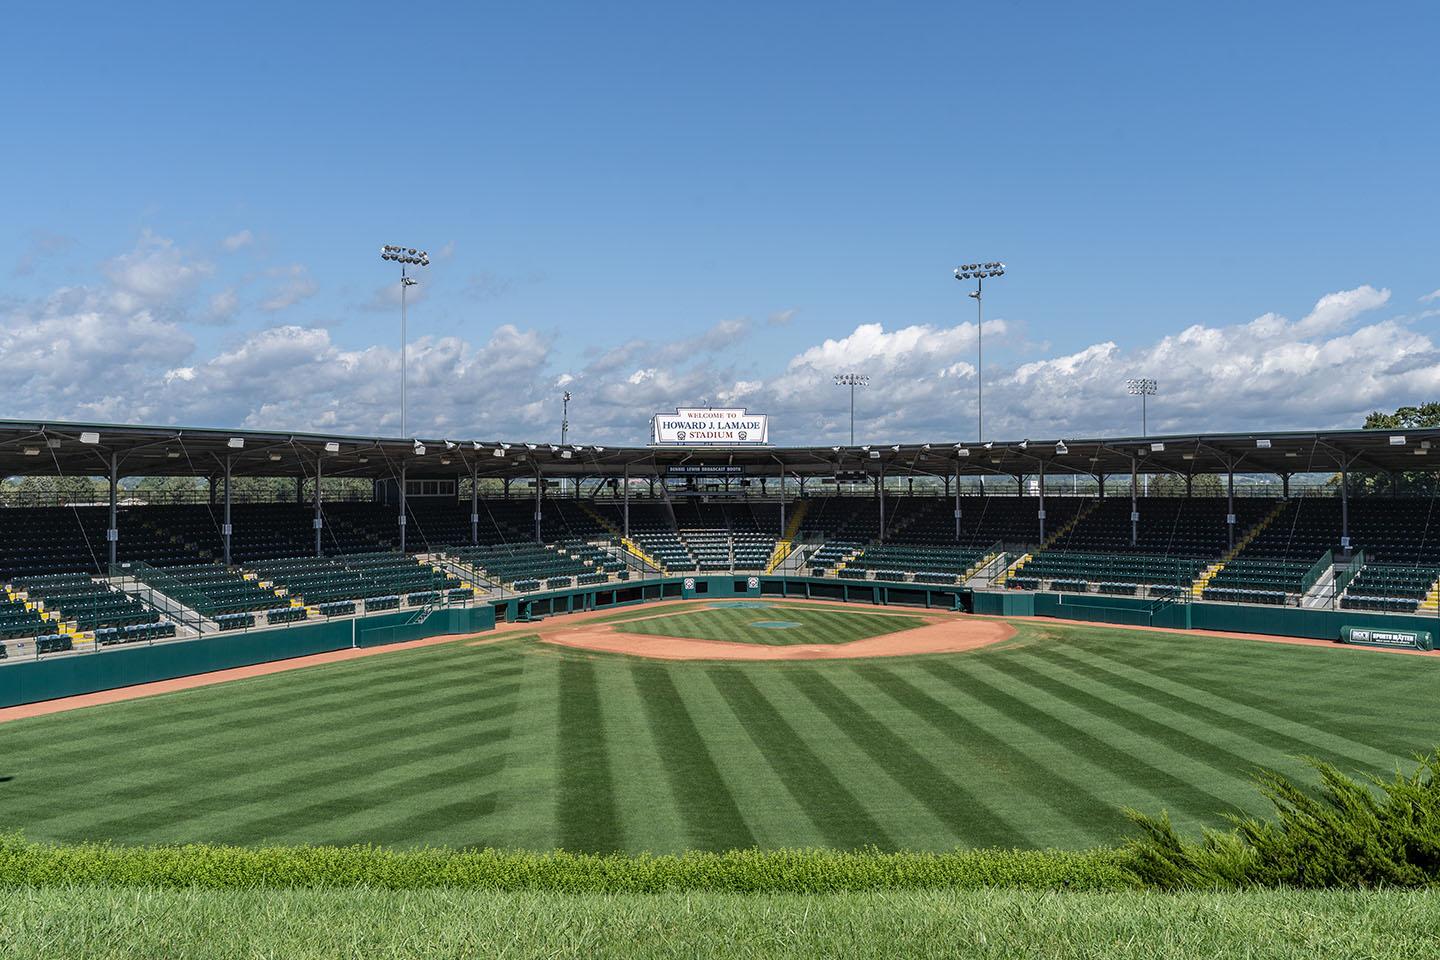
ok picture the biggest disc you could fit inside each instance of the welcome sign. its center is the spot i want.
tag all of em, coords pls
(710, 427)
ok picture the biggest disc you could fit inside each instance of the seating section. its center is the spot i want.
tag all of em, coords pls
(1113, 573)
(928, 564)
(1250, 580)
(357, 576)
(84, 603)
(1389, 587)
(211, 589)
(529, 563)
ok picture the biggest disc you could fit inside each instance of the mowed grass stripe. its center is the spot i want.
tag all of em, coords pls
(256, 787)
(737, 625)
(649, 815)
(1138, 726)
(831, 807)
(964, 813)
(1063, 729)
(215, 754)
(586, 815)
(1279, 686)
(712, 818)
(1064, 809)
(282, 695)
(1228, 713)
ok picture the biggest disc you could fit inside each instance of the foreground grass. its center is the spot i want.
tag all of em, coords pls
(313, 924)
(739, 871)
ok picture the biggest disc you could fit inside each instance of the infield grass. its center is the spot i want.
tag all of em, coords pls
(516, 744)
(319, 925)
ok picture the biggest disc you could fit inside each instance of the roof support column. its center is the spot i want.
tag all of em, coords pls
(1345, 508)
(880, 493)
(782, 499)
(112, 533)
(299, 490)
(1230, 503)
(957, 500)
(225, 528)
(403, 485)
(1285, 486)
(1041, 513)
(475, 505)
(1134, 508)
(626, 481)
(318, 521)
(539, 490)
(1100, 483)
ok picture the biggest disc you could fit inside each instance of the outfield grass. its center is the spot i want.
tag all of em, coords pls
(747, 625)
(517, 744)
(310, 925)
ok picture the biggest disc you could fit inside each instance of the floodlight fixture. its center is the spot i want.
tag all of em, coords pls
(234, 443)
(1142, 387)
(419, 449)
(852, 380)
(979, 272)
(1061, 449)
(451, 444)
(332, 447)
(90, 437)
(1157, 448)
(406, 257)
(1024, 443)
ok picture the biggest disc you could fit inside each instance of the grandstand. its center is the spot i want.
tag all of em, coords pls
(445, 523)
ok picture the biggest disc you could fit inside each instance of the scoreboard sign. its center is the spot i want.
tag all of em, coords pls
(1403, 639)
(710, 427)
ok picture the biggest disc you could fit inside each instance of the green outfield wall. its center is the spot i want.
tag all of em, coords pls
(124, 666)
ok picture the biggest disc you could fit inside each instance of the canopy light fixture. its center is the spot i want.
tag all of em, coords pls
(31, 451)
(90, 437)
(332, 447)
(1263, 444)
(1157, 448)
(1397, 441)
(236, 443)
(172, 454)
(274, 457)
(1061, 449)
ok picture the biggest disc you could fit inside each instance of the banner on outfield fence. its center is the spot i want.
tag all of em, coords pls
(1367, 636)
(710, 427)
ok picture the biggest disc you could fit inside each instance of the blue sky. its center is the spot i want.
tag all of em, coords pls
(702, 196)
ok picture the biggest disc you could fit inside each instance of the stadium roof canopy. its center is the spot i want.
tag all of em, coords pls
(51, 448)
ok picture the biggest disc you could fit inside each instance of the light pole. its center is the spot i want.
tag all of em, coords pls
(1142, 387)
(852, 380)
(978, 272)
(565, 417)
(404, 256)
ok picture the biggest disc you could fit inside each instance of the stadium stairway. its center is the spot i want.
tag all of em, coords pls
(629, 546)
(786, 544)
(1197, 589)
(1432, 598)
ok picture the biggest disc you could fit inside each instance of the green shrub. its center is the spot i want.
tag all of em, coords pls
(1377, 833)
(24, 863)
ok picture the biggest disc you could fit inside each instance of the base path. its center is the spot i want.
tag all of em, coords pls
(941, 634)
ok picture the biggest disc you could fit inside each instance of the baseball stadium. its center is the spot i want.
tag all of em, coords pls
(873, 481)
(686, 648)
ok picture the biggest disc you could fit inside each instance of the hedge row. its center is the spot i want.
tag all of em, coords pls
(23, 863)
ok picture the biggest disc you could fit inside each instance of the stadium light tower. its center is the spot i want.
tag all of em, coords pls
(405, 256)
(1142, 387)
(978, 272)
(852, 380)
(564, 417)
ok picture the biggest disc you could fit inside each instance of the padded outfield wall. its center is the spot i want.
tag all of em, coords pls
(124, 666)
